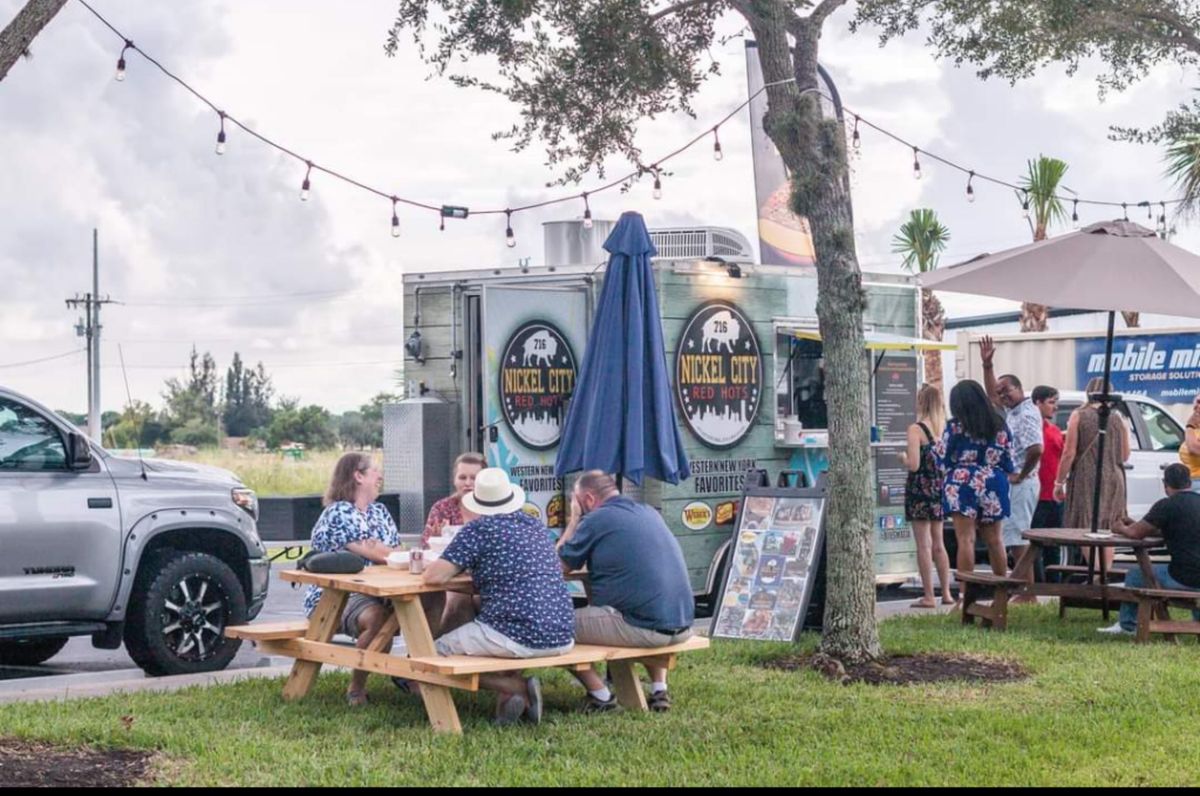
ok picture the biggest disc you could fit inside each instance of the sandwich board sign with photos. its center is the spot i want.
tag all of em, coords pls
(774, 558)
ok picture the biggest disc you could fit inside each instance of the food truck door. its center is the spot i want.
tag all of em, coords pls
(533, 341)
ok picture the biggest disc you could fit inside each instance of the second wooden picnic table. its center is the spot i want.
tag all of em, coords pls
(1091, 591)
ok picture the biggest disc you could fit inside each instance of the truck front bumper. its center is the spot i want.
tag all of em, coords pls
(260, 578)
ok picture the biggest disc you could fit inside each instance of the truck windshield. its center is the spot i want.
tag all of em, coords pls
(1165, 433)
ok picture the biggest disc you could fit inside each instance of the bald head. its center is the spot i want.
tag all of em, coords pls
(593, 488)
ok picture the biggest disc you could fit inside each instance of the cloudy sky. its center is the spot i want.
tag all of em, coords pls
(218, 252)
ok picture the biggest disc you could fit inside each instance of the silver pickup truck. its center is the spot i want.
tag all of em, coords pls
(160, 555)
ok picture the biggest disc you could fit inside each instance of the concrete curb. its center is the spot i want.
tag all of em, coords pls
(83, 686)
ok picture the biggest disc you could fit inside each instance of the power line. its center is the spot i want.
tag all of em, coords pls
(653, 169)
(63, 355)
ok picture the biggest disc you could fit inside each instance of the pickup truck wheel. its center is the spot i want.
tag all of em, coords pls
(181, 604)
(30, 651)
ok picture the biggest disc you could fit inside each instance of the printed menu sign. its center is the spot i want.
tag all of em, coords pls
(891, 477)
(895, 397)
(772, 567)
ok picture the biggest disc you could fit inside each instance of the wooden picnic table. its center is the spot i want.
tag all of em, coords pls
(311, 643)
(1091, 591)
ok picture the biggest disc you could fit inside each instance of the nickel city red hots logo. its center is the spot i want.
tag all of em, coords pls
(718, 374)
(537, 373)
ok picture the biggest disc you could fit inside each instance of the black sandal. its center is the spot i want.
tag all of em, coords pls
(659, 702)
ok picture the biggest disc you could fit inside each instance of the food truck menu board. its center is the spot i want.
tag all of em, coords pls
(895, 396)
(773, 564)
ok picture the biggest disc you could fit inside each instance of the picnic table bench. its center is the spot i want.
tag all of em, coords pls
(309, 642)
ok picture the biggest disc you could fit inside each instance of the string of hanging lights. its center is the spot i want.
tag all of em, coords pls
(445, 211)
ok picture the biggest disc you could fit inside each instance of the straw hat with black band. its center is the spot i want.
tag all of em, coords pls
(494, 494)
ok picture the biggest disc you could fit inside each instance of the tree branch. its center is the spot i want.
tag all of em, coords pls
(675, 9)
(822, 11)
(24, 28)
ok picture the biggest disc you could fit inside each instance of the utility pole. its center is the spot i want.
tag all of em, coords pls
(90, 329)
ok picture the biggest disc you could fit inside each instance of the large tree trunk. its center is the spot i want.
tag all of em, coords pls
(933, 327)
(814, 150)
(24, 28)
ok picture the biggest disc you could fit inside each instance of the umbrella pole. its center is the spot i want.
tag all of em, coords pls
(1105, 409)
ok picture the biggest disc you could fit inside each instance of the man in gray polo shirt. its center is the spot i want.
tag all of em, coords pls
(641, 593)
(1025, 422)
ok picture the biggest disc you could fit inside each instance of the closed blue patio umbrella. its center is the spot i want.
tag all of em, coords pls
(621, 417)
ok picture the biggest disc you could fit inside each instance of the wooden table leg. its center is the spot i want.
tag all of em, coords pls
(1161, 610)
(1024, 568)
(439, 704)
(1103, 582)
(627, 686)
(322, 625)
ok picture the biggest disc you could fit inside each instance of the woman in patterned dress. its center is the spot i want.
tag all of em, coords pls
(975, 457)
(354, 520)
(923, 494)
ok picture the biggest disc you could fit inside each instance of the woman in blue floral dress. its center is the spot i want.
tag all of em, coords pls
(975, 457)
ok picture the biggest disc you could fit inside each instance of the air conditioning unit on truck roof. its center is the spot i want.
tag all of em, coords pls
(696, 243)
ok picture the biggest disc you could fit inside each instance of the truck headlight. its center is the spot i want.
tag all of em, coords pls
(246, 500)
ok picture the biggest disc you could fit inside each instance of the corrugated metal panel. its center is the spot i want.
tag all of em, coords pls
(418, 447)
(1034, 361)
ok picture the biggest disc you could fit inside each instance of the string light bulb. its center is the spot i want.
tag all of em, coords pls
(1162, 219)
(395, 219)
(221, 135)
(1025, 206)
(657, 185)
(1125, 210)
(1075, 214)
(916, 164)
(717, 153)
(970, 187)
(510, 240)
(307, 184)
(587, 212)
(121, 61)
(855, 138)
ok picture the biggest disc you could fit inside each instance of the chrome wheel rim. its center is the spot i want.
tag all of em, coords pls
(194, 614)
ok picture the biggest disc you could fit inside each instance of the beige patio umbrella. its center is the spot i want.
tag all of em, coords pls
(1113, 266)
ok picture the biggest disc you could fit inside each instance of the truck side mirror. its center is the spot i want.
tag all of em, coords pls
(79, 452)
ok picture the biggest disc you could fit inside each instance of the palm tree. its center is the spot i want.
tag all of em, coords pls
(1183, 166)
(1039, 197)
(921, 240)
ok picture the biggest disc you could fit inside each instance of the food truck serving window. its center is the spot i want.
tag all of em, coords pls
(800, 382)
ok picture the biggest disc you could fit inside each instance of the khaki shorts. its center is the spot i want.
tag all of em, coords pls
(605, 626)
(480, 640)
(354, 609)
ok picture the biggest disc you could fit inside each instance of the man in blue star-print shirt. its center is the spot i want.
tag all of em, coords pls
(526, 610)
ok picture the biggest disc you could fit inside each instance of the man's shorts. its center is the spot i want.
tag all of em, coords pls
(478, 639)
(354, 609)
(605, 626)
(1023, 498)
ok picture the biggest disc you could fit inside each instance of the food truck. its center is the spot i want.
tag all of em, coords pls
(492, 356)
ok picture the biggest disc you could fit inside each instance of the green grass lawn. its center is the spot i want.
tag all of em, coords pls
(1096, 711)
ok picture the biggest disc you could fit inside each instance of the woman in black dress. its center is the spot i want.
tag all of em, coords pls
(923, 495)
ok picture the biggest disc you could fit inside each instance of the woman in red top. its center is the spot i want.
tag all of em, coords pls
(448, 610)
(448, 511)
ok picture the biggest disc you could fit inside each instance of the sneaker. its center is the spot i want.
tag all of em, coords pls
(659, 702)
(593, 705)
(533, 710)
(404, 686)
(510, 711)
(1116, 630)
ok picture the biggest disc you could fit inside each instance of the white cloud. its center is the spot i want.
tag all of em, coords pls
(182, 227)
